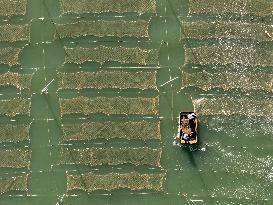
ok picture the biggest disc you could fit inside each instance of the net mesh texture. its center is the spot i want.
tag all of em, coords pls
(102, 28)
(101, 6)
(228, 80)
(107, 105)
(203, 30)
(20, 81)
(142, 130)
(13, 8)
(119, 54)
(240, 7)
(15, 106)
(229, 54)
(14, 133)
(9, 184)
(105, 79)
(15, 158)
(111, 156)
(90, 182)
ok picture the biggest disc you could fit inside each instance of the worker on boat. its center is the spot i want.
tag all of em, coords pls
(186, 137)
(191, 116)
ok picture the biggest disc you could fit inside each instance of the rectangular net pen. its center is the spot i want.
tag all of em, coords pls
(15, 158)
(135, 181)
(13, 33)
(20, 81)
(119, 54)
(102, 6)
(227, 30)
(228, 80)
(10, 56)
(13, 8)
(142, 130)
(229, 55)
(102, 28)
(15, 106)
(16, 183)
(109, 105)
(111, 156)
(14, 133)
(106, 79)
(227, 106)
(224, 7)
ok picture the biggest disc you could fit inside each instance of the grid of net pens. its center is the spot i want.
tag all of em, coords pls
(103, 54)
(15, 100)
(228, 70)
(229, 51)
(111, 71)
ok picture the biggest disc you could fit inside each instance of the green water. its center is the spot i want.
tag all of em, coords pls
(232, 164)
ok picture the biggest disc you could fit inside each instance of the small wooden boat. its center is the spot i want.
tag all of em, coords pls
(187, 128)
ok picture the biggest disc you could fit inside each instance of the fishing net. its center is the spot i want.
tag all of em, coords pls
(228, 80)
(15, 158)
(104, 54)
(13, 133)
(105, 79)
(10, 56)
(238, 162)
(101, 28)
(111, 156)
(230, 30)
(20, 81)
(18, 183)
(231, 105)
(90, 182)
(230, 54)
(13, 8)
(241, 191)
(15, 106)
(142, 130)
(101, 6)
(251, 127)
(109, 105)
(13, 33)
(240, 7)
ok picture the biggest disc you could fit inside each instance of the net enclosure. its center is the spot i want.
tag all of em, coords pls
(15, 106)
(225, 29)
(131, 130)
(90, 182)
(111, 156)
(102, 6)
(10, 56)
(109, 105)
(228, 80)
(107, 79)
(13, 8)
(12, 33)
(119, 54)
(223, 105)
(16, 183)
(229, 54)
(224, 7)
(14, 133)
(249, 126)
(20, 81)
(102, 28)
(15, 158)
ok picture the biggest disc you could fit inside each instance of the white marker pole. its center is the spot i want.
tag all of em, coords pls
(168, 81)
(45, 88)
